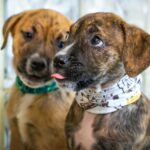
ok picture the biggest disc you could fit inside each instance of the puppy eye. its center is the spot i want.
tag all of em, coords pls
(27, 35)
(61, 44)
(96, 41)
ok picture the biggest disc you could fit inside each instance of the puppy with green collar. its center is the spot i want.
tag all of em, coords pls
(102, 61)
(37, 107)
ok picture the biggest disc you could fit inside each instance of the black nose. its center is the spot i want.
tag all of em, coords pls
(60, 61)
(38, 64)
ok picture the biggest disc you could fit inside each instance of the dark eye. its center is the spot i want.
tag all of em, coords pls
(61, 44)
(27, 35)
(96, 41)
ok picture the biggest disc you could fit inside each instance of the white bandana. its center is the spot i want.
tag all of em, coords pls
(124, 92)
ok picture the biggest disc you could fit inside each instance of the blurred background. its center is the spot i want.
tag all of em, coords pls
(134, 11)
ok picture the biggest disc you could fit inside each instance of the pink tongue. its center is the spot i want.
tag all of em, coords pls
(57, 76)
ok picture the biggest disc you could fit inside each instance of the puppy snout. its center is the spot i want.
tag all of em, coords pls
(61, 61)
(38, 64)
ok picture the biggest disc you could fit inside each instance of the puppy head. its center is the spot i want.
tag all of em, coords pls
(37, 36)
(102, 48)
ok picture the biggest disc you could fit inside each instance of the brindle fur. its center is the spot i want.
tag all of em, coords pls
(37, 120)
(126, 48)
(113, 131)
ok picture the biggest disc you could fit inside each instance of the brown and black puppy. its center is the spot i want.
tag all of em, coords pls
(36, 119)
(101, 49)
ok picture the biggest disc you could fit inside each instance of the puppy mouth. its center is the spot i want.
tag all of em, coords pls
(75, 77)
(58, 76)
(74, 84)
(34, 79)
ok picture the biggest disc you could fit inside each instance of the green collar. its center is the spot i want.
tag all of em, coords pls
(52, 86)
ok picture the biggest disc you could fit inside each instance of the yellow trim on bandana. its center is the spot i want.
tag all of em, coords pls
(134, 99)
(125, 92)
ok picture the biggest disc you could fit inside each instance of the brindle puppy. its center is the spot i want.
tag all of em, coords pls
(37, 120)
(101, 49)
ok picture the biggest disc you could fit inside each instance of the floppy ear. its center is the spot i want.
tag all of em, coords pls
(9, 26)
(136, 53)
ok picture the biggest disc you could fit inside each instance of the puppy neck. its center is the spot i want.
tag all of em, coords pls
(106, 100)
(52, 86)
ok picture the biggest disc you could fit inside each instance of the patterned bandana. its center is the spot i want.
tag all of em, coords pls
(52, 86)
(126, 91)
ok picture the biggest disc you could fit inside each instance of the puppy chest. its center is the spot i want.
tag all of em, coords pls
(22, 117)
(84, 135)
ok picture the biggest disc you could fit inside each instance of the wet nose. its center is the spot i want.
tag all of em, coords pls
(60, 61)
(38, 64)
